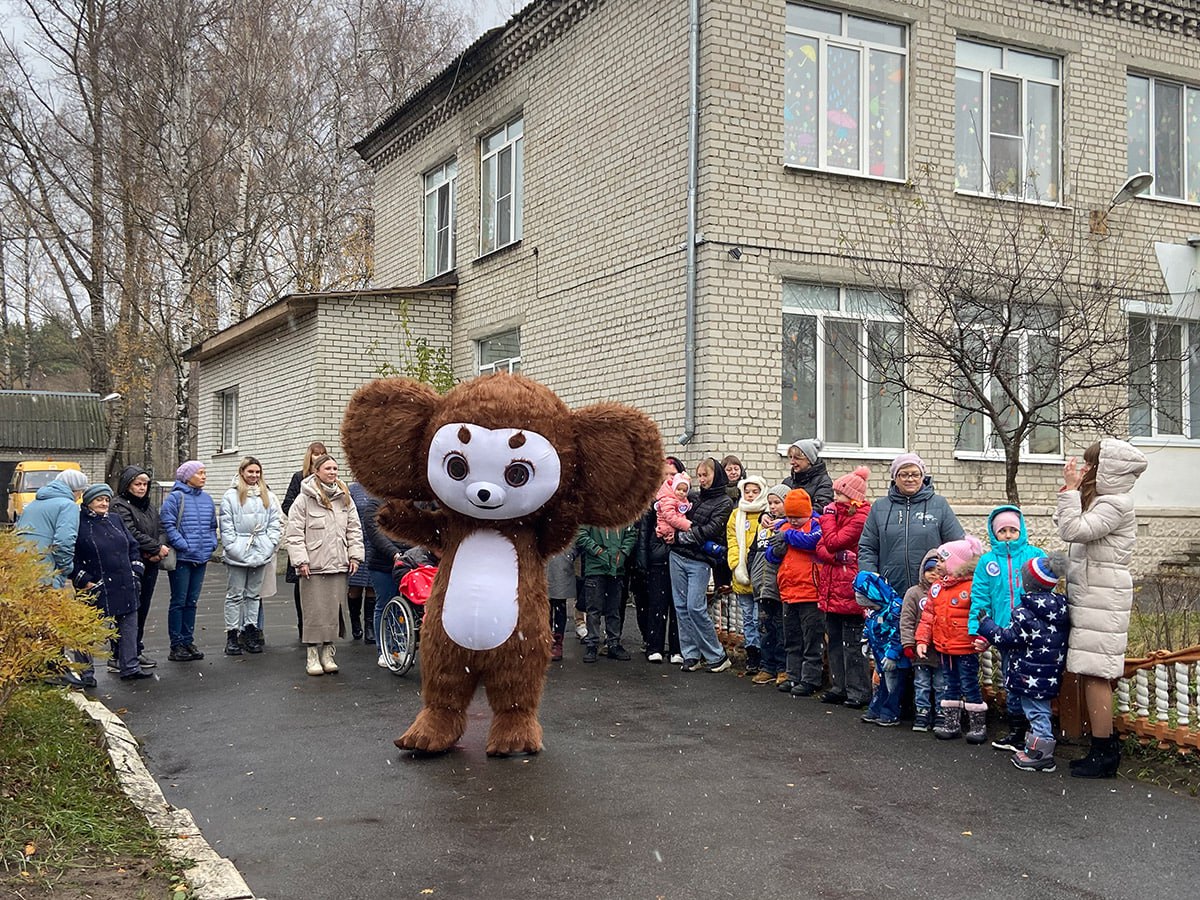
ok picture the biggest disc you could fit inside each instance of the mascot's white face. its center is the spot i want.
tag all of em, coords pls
(495, 474)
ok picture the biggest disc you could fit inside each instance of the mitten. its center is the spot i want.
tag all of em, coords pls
(712, 548)
(910, 652)
(889, 665)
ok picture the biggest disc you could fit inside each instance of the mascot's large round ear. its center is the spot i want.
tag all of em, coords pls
(384, 436)
(618, 464)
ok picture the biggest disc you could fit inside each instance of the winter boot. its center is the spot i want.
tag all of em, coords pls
(327, 662)
(977, 719)
(753, 658)
(1104, 763)
(356, 630)
(252, 637)
(949, 720)
(1038, 755)
(232, 647)
(1014, 741)
(556, 648)
(923, 720)
(313, 666)
(368, 632)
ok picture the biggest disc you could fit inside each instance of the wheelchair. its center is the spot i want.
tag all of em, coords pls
(400, 623)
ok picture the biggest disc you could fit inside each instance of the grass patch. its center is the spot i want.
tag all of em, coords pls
(1165, 614)
(61, 807)
(1166, 768)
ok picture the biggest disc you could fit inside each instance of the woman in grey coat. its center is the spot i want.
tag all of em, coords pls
(905, 525)
(1095, 516)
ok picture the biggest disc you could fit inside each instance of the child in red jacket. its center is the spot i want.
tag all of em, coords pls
(841, 526)
(944, 625)
(803, 622)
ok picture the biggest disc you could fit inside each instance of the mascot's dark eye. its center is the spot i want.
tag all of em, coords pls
(517, 474)
(456, 466)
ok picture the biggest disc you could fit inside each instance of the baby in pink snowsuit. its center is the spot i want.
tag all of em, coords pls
(670, 506)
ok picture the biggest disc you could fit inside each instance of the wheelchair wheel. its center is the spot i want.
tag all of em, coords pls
(398, 635)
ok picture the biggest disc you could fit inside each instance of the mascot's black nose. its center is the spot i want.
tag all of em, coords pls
(483, 494)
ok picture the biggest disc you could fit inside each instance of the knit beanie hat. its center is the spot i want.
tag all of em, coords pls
(73, 478)
(1042, 572)
(797, 503)
(1007, 519)
(780, 490)
(680, 478)
(810, 447)
(96, 490)
(185, 472)
(908, 459)
(854, 485)
(958, 555)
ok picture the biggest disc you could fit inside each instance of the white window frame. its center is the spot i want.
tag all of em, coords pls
(984, 129)
(1189, 335)
(510, 363)
(993, 450)
(1190, 193)
(227, 420)
(441, 190)
(842, 314)
(503, 147)
(864, 48)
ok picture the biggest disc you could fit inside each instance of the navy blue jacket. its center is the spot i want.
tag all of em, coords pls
(107, 556)
(900, 530)
(195, 537)
(1037, 639)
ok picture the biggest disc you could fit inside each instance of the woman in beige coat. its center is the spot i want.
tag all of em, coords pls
(325, 545)
(1095, 516)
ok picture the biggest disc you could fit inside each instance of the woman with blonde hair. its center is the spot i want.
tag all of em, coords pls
(251, 525)
(1095, 516)
(325, 545)
(315, 449)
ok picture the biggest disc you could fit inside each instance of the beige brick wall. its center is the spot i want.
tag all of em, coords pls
(597, 283)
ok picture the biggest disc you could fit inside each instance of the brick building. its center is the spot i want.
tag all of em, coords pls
(583, 176)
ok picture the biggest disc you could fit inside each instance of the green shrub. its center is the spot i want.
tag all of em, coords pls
(37, 620)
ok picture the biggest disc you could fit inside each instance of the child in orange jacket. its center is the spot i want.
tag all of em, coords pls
(803, 621)
(944, 626)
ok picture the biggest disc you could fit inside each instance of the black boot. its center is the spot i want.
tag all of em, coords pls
(232, 646)
(356, 623)
(1102, 761)
(368, 632)
(753, 659)
(252, 639)
(1014, 741)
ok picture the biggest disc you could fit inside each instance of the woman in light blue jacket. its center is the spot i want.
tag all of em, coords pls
(251, 527)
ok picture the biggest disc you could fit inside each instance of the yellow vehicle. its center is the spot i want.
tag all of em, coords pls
(29, 475)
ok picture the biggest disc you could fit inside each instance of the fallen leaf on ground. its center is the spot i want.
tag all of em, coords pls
(30, 849)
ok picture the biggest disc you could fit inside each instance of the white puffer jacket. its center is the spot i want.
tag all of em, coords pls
(1100, 545)
(250, 531)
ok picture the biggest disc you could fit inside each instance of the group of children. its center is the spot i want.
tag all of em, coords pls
(798, 566)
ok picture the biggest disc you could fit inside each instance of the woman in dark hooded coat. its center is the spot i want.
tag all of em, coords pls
(133, 507)
(808, 472)
(692, 554)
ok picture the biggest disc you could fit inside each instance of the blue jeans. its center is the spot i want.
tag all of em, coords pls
(186, 580)
(885, 704)
(962, 677)
(689, 584)
(385, 590)
(749, 620)
(1012, 700)
(929, 686)
(1038, 714)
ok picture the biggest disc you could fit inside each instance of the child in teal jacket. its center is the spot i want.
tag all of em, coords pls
(996, 591)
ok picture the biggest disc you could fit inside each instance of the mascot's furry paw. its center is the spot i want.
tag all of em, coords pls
(432, 732)
(513, 733)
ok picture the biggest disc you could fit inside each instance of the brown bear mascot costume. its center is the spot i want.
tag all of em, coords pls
(513, 472)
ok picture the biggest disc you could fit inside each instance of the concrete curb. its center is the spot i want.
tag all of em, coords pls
(211, 877)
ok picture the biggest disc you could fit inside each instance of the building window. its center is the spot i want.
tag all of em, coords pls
(843, 358)
(1163, 129)
(440, 188)
(1008, 110)
(1017, 355)
(1164, 377)
(500, 353)
(844, 92)
(501, 175)
(227, 416)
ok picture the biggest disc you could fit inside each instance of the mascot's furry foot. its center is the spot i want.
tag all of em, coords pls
(433, 732)
(513, 733)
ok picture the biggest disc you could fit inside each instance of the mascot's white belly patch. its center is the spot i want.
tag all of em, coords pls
(480, 610)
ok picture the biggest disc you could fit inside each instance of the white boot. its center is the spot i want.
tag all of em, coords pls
(314, 661)
(327, 662)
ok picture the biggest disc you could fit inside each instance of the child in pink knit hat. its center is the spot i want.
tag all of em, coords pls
(670, 507)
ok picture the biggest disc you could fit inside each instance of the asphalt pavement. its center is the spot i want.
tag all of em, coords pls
(654, 784)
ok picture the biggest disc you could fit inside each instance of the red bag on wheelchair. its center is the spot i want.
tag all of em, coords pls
(417, 585)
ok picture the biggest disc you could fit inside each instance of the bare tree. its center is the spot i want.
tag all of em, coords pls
(1010, 315)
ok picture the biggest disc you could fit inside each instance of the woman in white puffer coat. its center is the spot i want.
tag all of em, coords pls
(251, 527)
(1096, 518)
